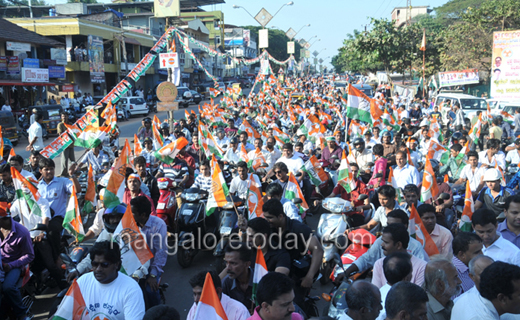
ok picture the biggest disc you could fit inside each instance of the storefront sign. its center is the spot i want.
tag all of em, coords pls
(56, 71)
(67, 88)
(48, 62)
(60, 55)
(13, 65)
(31, 63)
(18, 46)
(3, 63)
(35, 75)
(168, 60)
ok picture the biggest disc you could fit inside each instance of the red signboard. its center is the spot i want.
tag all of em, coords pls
(67, 88)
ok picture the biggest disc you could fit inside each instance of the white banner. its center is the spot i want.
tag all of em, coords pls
(264, 66)
(35, 75)
(168, 60)
(457, 78)
(290, 47)
(18, 46)
(263, 40)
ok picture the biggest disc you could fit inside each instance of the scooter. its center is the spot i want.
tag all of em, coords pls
(167, 204)
(195, 229)
(331, 231)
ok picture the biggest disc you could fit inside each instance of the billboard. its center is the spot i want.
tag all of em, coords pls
(166, 8)
(95, 59)
(505, 65)
(457, 78)
(35, 75)
(290, 47)
(56, 71)
(246, 34)
(263, 38)
(60, 55)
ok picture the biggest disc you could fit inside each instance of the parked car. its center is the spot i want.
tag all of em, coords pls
(133, 106)
(184, 97)
(196, 97)
(496, 105)
(469, 104)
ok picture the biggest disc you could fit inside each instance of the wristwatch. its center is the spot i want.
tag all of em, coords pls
(153, 276)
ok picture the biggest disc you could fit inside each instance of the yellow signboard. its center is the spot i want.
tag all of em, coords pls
(166, 8)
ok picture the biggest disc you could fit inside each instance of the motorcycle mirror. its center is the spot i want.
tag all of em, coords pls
(40, 227)
(264, 165)
(299, 174)
(296, 200)
(66, 259)
(362, 197)
(444, 196)
(334, 157)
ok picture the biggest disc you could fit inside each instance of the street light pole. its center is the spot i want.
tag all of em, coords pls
(307, 25)
(286, 4)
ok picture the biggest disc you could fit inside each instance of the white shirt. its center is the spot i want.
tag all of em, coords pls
(253, 154)
(404, 114)
(27, 218)
(294, 164)
(232, 156)
(472, 306)
(307, 145)
(275, 154)
(241, 187)
(121, 299)
(362, 159)
(371, 143)
(474, 177)
(221, 142)
(28, 175)
(503, 250)
(6, 107)
(384, 292)
(513, 157)
(380, 215)
(35, 130)
(234, 309)
(406, 175)
(499, 158)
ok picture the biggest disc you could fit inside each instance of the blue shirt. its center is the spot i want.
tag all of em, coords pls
(57, 193)
(514, 182)
(96, 161)
(156, 238)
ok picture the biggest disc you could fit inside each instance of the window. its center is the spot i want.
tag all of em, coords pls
(137, 101)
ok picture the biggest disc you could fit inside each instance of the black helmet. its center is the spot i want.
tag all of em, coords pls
(118, 210)
(456, 137)
(233, 140)
(359, 142)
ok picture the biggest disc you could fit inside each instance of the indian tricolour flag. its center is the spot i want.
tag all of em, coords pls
(168, 153)
(254, 198)
(467, 212)
(315, 172)
(21, 185)
(116, 183)
(389, 120)
(292, 191)
(438, 152)
(72, 306)
(134, 249)
(361, 107)
(219, 191)
(91, 136)
(72, 220)
(208, 143)
(209, 306)
(429, 188)
(345, 177)
(158, 139)
(417, 231)
(260, 271)
(213, 92)
(474, 133)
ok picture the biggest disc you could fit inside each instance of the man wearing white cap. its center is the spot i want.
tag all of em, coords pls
(493, 195)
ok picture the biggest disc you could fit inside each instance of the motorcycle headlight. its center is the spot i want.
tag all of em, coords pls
(191, 196)
(162, 185)
(225, 231)
(334, 207)
(228, 206)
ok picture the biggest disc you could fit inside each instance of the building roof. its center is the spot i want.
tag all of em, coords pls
(12, 32)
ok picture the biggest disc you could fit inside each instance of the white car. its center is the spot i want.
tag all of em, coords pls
(496, 105)
(133, 106)
(469, 104)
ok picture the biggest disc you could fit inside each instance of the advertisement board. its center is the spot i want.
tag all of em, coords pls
(168, 60)
(60, 55)
(56, 71)
(166, 8)
(17, 46)
(457, 78)
(263, 36)
(13, 65)
(505, 65)
(3, 63)
(290, 47)
(67, 88)
(95, 59)
(246, 34)
(35, 75)
(31, 63)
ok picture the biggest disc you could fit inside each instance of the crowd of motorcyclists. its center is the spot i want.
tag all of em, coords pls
(272, 126)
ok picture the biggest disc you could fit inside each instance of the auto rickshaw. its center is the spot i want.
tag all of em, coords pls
(51, 116)
(8, 127)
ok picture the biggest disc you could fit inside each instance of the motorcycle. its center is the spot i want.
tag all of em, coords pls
(167, 204)
(331, 231)
(194, 226)
(152, 107)
(511, 171)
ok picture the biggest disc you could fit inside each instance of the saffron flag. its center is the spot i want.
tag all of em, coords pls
(208, 143)
(90, 194)
(254, 198)
(158, 139)
(209, 306)
(219, 190)
(423, 44)
(137, 146)
(11, 154)
(429, 188)
(345, 177)
(417, 231)
(168, 153)
(292, 191)
(134, 249)
(72, 220)
(116, 183)
(467, 212)
(72, 306)
(260, 271)
(361, 107)
(21, 186)
(315, 172)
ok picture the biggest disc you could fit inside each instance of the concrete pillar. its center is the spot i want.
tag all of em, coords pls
(68, 44)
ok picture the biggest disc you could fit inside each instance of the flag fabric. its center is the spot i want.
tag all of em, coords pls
(208, 143)
(467, 212)
(423, 44)
(474, 133)
(137, 146)
(158, 139)
(168, 153)
(260, 271)
(134, 249)
(429, 188)
(115, 189)
(209, 306)
(21, 186)
(292, 191)
(1, 144)
(213, 93)
(345, 177)
(438, 152)
(361, 107)
(90, 194)
(503, 181)
(417, 231)
(254, 198)
(389, 120)
(72, 220)
(315, 172)
(72, 306)
(91, 136)
(435, 129)
(219, 190)
(11, 154)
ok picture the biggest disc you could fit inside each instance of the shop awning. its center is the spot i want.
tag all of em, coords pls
(27, 84)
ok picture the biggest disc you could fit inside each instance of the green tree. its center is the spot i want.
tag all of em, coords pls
(82, 1)
(453, 9)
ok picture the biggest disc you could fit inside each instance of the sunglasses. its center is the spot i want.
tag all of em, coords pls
(278, 172)
(103, 265)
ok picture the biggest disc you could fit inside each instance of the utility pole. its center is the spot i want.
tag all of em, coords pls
(408, 12)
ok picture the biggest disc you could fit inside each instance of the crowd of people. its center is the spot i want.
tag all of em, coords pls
(270, 139)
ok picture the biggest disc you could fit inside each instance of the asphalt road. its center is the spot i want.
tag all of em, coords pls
(179, 293)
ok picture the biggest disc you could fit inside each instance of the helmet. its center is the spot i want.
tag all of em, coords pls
(233, 140)
(165, 125)
(147, 120)
(386, 134)
(147, 139)
(359, 142)
(117, 211)
(456, 137)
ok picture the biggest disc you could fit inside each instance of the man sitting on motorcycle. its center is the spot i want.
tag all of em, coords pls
(332, 149)
(388, 147)
(145, 131)
(232, 153)
(203, 180)
(411, 195)
(147, 178)
(275, 191)
(149, 154)
(454, 165)
(241, 184)
(243, 137)
(222, 141)
(363, 157)
(260, 154)
(96, 158)
(231, 130)
(493, 195)
(386, 196)
(133, 190)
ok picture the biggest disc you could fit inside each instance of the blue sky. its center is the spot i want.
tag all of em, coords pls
(331, 20)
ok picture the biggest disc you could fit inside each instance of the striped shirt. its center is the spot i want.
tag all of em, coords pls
(463, 272)
(203, 183)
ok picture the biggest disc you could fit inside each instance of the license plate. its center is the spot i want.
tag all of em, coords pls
(187, 212)
(161, 205)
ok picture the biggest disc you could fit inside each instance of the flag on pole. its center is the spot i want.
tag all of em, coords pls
(137, 146)
(474, 133)
(467, 212)
(90, 194)
(438, 152)
(213, 93)
(11, 154)
(72, 220)
(345, 177)
(423, 44)
(254, 198)
(116, 183)
(21, 184)
(134, 249)
(72, 306)
(361, 107)
(292, 191)
(209, 306)
(168, 153)
(208, 143)
(260, 271)
(417, 231)
(219, 190)
(315, 172)
(429, 188)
